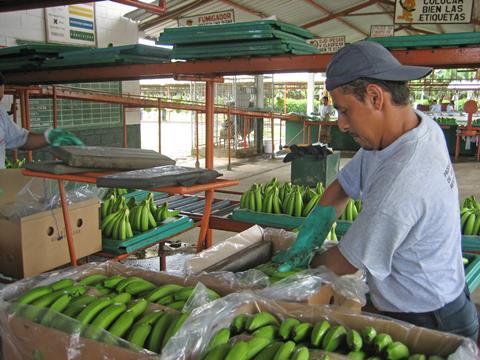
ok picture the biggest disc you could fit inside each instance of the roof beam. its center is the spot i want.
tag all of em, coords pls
(371, 13)
(414, 28)
(336, 15)
(332, 16)
(160, 9)
(174, 14)
(245, 8)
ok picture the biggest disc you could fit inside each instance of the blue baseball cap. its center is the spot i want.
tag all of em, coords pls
(372, 60)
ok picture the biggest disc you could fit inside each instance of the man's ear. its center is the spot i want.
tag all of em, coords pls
(375, 95)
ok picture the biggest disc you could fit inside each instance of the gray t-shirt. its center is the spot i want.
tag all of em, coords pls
(11, 135)
(407, 237)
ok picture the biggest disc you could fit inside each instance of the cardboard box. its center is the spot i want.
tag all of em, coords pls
(280, 240)
(37, 243)
(418, 340)
(23, 339)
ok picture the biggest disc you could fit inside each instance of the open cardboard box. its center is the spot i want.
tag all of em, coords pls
(280, 240)
(23, 339)
(37, 243)
(419, 340)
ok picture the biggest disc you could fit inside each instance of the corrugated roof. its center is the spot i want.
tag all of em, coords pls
(298, 12)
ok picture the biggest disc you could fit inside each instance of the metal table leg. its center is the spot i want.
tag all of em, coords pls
(68, 225)
(203, 241)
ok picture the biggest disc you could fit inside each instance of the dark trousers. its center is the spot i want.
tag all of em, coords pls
(458, 317)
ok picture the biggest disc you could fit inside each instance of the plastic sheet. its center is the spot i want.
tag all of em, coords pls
(303, 285)
(191, 340)
(42, 194)
(21, 335)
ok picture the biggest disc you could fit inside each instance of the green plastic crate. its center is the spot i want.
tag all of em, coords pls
(472, 271)
(147, 238)
(273, 220)
(471, 243)
(442, 40)
(141, 195)
(342, 141)
(308, 171)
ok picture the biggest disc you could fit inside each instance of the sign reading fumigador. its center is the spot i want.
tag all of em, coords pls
(214, 18)
(433, 11)
(328, 45)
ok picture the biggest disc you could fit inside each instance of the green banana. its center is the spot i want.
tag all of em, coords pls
(302, 331)
(77, 304)
(298, 207)
(381, 342)
(356, 355)
(92, 309)
(301, 353)
(56, 307)
(238, 324)
(368, 334)
(163, 291)
(138, 286)
(34, 294)
(139, 334)
(289, 205)
(122, 324)
(269, 352)
(113, 281)
(318, 332)
(468, 230)
(177, 305)
(243, 201)
(175, 325)
(122, 298)
(102, 291)
(220, 352)
(108, 315)
(255, 346)
(262, 319)
(62, 284)
(184, 294)
(47, 300)
(258, 200)
(269, 332)
(144, 226)
(221, 337)
(354, 340)
(159, 331)
(165, 300)
(417, 357)
(124, 283)
(309, 207)
(92, 280)
(285, 351)
(238, 351)
(286, 328)
(397, 351)
(334, 337)
(138, 307)
(149, 318)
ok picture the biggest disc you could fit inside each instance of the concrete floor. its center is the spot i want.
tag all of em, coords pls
(263, 168)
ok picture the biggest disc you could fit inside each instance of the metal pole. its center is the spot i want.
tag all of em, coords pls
(197, 150)
(54, 107)
(159, 128)
(273, 130)
(124, 123)
(14, 114)
(209, 115)
(27, 121)
(229, 133)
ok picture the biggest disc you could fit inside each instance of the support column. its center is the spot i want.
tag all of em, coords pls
(124, 124)
(54, 107)
(209, 118)
(310, 93)
(159, 127)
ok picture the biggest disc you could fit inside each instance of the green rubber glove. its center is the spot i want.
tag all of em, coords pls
(311, 235)
(60, 137)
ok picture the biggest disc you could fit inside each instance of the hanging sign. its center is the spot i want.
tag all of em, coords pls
(72, 24)
(433, 11)
(381, 31)
(213, 18)
(328, 45)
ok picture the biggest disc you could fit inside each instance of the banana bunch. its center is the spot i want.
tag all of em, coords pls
(117, 225)
(115, 192)
(273, 198)
(351, 211)
(17, 164)
(470, 216)
(141, 217)
(111, 205)
(122, 306)
(265, 336)
(271, 270)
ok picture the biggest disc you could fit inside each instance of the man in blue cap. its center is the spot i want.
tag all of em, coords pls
(407, 237)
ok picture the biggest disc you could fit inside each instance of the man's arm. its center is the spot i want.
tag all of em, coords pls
(335, 261)
(34, 141)
(335, 196)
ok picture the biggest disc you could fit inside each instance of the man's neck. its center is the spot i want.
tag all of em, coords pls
(399, 120)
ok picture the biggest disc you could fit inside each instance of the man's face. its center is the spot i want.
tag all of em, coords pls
(358, 118)
(325, 101)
